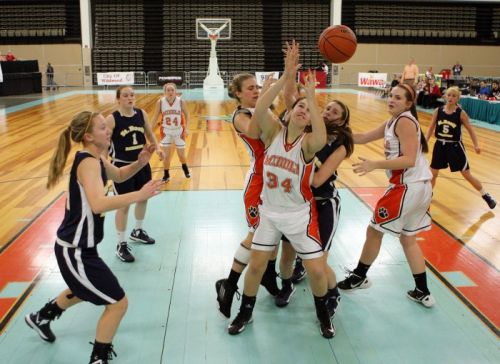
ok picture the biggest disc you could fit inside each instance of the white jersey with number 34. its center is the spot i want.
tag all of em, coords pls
(287, 177)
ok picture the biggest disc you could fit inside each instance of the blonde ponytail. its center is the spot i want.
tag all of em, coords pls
(80, 124)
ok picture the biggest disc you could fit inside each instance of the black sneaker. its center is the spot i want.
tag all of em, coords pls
(186, 171)
(41, 326)
(269, 282)
(332, 304)
(353, 281)
(425, 299)
(165, 179)
(239, 323)
(141, 236)
(489, 200)
(284, 296)
(102, 354)
(327, 328)
(123, 252)
(225, 294)
(299, 272)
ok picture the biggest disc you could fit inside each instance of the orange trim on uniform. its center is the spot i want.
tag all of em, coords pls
(389, 206)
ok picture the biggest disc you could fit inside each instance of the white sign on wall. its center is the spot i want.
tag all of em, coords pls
(261, 77)
(115, 78)
(372, 79)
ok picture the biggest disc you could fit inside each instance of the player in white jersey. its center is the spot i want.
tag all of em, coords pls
(173, 127)
(403, 211)
(287, 202)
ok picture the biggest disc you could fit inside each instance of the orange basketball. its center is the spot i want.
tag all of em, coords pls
(337, 43)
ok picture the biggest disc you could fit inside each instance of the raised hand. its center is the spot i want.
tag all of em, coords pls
(292, 55)
(310, 83)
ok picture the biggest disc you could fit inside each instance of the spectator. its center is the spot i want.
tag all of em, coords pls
(410, 73)
(473, 87)
(10, 56)
(2, 57)
(457, 69)
(50, 77)
(495, 91)
(484, 90)
(434, 93)
(423, 88)
(429, 74)
(395, 81)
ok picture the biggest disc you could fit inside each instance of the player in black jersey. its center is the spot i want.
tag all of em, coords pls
(449, 150)
(87, 276)
(130, 128)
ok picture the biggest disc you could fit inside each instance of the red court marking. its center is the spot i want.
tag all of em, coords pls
(23, 260)
(214, 125)
(445, 254)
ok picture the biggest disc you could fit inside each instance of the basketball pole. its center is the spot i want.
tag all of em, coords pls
(213, 81)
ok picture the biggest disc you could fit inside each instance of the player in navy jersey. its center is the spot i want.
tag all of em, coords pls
(130, 128)
(403, 210)
(449, 150)
(87, 276)
(287, 203)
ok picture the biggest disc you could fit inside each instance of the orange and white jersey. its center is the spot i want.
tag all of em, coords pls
(171, 114)
(254, 147)
(287, 176)
(418, 173)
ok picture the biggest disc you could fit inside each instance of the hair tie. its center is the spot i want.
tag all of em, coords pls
(410, 89)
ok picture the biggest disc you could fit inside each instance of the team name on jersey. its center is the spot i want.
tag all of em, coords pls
(282, 162)
(170, 112)
(130, 129)
(447, 122)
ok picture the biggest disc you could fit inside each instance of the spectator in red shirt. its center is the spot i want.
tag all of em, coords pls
(10, 56)
(434, 93)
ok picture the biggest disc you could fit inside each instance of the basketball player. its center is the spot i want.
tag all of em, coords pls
(245, 90)
(403, 211)
(446, 124)
(87, 276)
(130, 128)
(287, 203)
(173, 129)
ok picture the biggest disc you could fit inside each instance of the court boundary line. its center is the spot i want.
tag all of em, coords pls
(478, 313)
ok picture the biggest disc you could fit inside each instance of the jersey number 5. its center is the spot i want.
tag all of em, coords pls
(272, 182)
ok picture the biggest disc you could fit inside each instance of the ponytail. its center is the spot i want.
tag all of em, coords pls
(80, 124)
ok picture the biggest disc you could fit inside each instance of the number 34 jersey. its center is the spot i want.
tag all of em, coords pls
(287, 177)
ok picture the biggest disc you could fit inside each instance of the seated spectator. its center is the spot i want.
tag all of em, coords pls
(495, 91)
(10, 56)
(429, 74)
(430, 99)
(422, 91)
(484, 90)
(473, 87)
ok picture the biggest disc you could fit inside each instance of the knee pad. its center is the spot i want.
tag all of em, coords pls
(242, 255)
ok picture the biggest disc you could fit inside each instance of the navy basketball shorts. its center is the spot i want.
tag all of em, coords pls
(87, 276)
(449, 153)
(328, 219)
(135, 182)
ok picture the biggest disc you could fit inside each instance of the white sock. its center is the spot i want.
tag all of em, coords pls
(482, 192)
(121, 236)
(138, 224)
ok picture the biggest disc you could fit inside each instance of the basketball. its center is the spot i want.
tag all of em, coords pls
(337, 43)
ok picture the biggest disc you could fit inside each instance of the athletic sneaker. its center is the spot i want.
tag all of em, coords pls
(102, 354)
(123, 252)
(425, 299)
(353, 281)
(269, 282)
(284, 296)
(489, 200)
(185, 169)
(299, 272)
(327, 328)
(239, 323)
(41, 326)
(165, 179)
(332, 304)
(141, 236)
(225, 294)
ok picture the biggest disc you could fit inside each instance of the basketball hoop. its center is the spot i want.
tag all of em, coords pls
(213, 36)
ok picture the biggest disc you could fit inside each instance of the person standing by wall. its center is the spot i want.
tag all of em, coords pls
(410, 73)
(457, 69)
(50, 77)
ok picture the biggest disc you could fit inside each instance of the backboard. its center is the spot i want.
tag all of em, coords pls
(220, 27)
